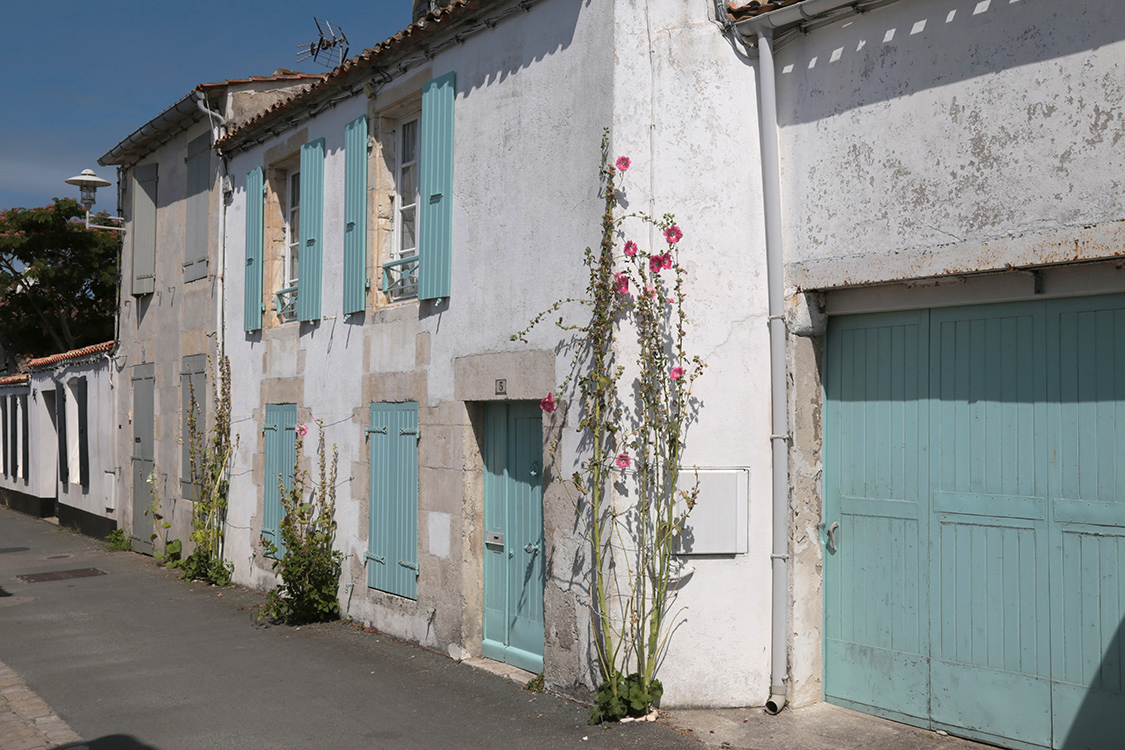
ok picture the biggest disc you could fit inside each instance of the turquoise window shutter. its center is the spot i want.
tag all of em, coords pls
(355, 215)
(312, 225)
(281, 453)
(392, 541)
(255, 205)
(435, 248)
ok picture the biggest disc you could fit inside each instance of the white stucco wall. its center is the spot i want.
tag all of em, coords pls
(938, 136)
(686, 113)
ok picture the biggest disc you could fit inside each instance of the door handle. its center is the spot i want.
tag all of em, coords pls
(531, 548)
(534, 468)
(832, 535)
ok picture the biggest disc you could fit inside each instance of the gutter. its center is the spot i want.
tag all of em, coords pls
(141, 141)
(804, 17)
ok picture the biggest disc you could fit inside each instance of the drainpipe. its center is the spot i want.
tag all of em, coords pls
(220, 311)
(779, 405)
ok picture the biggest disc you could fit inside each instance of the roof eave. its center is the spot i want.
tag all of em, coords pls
(145, 139)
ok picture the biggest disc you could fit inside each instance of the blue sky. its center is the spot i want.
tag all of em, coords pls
(78, 77)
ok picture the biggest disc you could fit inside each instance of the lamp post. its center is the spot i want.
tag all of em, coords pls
(88, 184)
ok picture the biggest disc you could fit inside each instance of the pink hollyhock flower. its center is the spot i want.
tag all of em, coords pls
(630, 248)
(621, 283)
(666, 260)
(650, 291)
(656, 263)
(677, 373)
(548, 404)
(673, 234)
(623, 460)
(302, 430)
(671, 301)
(623, 163)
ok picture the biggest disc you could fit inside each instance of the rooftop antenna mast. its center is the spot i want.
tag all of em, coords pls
(329, 50)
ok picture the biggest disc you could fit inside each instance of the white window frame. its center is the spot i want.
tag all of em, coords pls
(406, 203)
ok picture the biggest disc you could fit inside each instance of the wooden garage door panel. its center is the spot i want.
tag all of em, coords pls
(1003, 475)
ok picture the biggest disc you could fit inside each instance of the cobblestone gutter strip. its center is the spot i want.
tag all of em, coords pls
(26, 722)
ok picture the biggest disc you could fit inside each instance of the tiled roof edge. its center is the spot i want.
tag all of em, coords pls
(74, 354)
(18, 379)
(433, 22)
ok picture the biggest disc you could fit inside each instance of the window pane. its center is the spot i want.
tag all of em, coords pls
(409, 141)
(294, 258)
(406, 241)
(407, 187)
(295, 190)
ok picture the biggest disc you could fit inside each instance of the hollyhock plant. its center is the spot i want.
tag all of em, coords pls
(673, 234)
(302, 430)
(623, 163)
(677, 373)
(548, 404)
(623, 460)
(620, 283)
(630, 248)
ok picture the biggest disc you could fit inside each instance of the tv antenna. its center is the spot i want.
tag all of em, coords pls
(330, 49)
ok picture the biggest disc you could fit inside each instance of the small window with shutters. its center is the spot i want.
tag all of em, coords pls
(415, 193)
(293, 207)
(74, 437)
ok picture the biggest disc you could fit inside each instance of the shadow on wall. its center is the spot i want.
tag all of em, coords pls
(1100, 720)
(551, 30)
(946, 42)
(109, 742)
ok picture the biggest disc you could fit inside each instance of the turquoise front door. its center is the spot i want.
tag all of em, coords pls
(513, 543)
(975, 519)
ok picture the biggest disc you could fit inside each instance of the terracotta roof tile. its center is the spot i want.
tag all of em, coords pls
(742, 11)
(20, 379)
(55, 359)
(281, 75)
(426, 26)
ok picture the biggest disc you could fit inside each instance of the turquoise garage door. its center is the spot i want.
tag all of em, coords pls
(974, 468)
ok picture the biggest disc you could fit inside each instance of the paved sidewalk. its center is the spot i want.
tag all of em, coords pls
(26, 722)
(133, 658)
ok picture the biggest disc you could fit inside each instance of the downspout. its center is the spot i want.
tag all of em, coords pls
(779, 404)
(217, 132)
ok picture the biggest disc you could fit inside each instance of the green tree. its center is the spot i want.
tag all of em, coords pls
(58, 280)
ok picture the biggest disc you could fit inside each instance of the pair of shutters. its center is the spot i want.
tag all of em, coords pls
(311, 239)
(281, 454)
(197, 220)
(392, 537)
(193, 384)
(436, 213)
(63, 435)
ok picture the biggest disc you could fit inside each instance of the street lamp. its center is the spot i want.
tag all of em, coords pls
(88, 184)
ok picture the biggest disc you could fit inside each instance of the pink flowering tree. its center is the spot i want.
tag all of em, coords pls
(634, 415)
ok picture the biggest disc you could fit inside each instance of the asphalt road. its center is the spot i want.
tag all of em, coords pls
(137, 659)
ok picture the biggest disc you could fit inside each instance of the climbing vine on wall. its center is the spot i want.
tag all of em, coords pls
(633, 416)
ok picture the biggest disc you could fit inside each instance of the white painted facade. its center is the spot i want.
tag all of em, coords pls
(533, 97)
